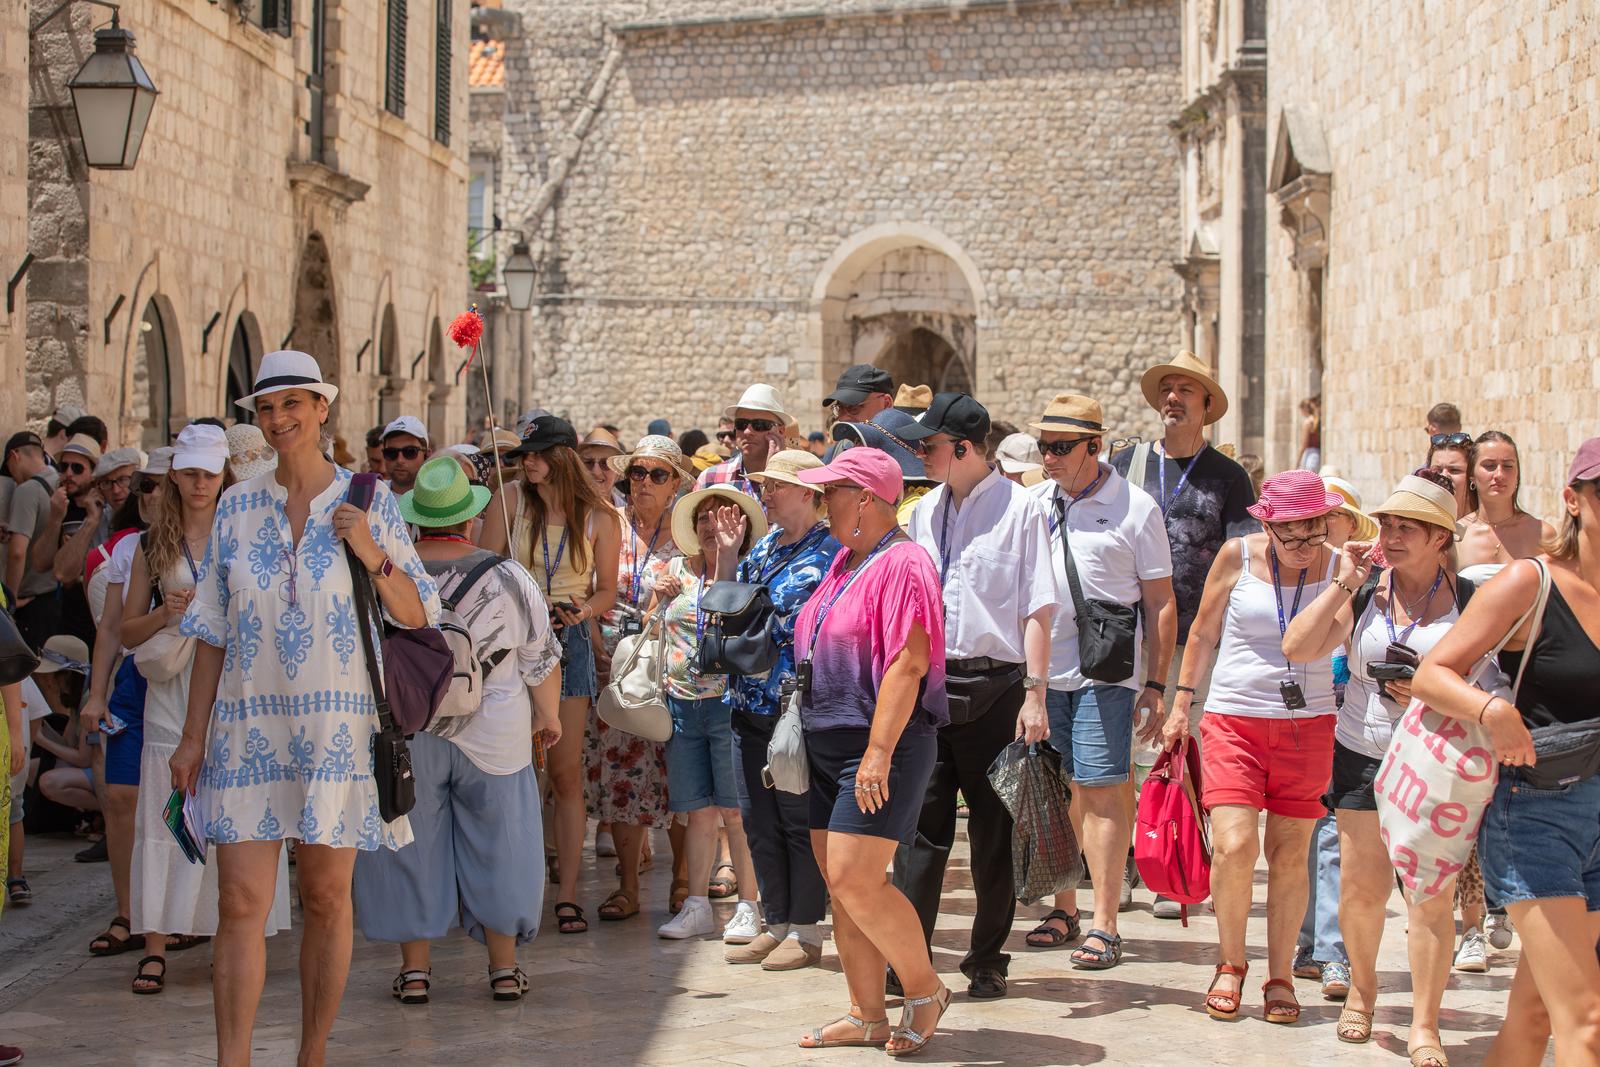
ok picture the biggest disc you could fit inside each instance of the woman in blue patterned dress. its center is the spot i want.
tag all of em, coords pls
(791, 561)
(280, 686)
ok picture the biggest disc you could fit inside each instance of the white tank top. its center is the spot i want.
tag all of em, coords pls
(1366, 722)
(1250, 659)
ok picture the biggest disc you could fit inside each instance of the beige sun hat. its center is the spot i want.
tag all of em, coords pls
(653, 446)
(600, 437)
(783, 466)
(1419, 499)
(913, 399)
(1072, 413)
(761, 397)
(1366, 525)
(683, 515)
(1190, 366)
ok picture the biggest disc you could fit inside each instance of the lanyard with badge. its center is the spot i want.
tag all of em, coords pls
(802, 670)
(1294, 698)
(1183, 482)
(770, 570)
(633, 625)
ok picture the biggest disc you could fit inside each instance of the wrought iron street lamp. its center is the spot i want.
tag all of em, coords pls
(111, 93)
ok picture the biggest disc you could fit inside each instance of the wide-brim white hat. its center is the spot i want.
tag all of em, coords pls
(761, 397)
(287, 369)
(683, 532)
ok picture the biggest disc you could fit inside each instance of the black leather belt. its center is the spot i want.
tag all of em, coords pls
(978, 665)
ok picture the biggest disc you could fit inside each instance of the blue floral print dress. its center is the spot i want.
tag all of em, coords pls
(290, 746)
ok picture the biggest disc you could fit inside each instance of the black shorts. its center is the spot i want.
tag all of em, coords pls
(1353, 774)
(834, 757)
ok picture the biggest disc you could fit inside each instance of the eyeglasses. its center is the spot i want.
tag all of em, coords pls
(124, 481)
(1450, 440)
(409, 451)
(596, 463)
(1062, 448)
(148, 486)
(75, 468)
(657, 475)
(758, 425)
(287, 591)
(1315, 539)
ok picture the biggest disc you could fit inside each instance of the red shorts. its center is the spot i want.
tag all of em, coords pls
(1279, 764)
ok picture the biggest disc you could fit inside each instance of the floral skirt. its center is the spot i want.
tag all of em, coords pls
(626, 776)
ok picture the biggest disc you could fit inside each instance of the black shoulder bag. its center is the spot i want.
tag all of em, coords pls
(738, 636)
(1106, 630)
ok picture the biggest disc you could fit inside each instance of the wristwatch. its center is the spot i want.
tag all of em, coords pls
(385, 569)
(1030, 681)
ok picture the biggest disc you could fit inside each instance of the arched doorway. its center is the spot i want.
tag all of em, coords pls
(438, 387)
(316, 317)
(244, 355)
(388, 368)
(148, 403)
(923, 356)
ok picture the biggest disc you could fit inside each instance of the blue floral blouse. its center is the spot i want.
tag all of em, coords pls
(792, 573)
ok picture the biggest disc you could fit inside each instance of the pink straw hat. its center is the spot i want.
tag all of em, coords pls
(1294, 495)
(869, 468)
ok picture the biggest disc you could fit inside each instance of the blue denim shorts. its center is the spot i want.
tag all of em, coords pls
(700, 755)
(1092, 728)
(577, 672)
(1541, 843)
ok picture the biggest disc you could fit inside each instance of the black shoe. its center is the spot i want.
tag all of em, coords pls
(891, 984)
(95, 853)
(987, 984)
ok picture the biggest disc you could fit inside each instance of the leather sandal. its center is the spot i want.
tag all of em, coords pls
(149, 984)
(1280, 1010)
(722, 885)
(108, 944)
(618, 906)
(1429, 1056)
(1088, 958)
(1046, 936)
(679, 894)
(866, 1040)
(513, 974)
(1225, 1006)
(908, 1015)
(412, 996)
(1354, 1027)
(569, 918)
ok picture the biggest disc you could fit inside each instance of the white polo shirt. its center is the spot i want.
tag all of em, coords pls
(1119, 539)
(993, 556)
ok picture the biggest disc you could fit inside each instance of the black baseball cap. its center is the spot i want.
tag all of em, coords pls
(859, 382)
(545, 432)
(955, 414)
(22, 439)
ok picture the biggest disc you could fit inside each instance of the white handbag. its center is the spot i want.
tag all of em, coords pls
(633, 701)
(788, 764)
(164, 655)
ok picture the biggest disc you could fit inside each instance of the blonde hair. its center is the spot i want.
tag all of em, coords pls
(163, 542)
(1564, 545)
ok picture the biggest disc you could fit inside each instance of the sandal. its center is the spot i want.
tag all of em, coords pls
(680, 893)
(152, 983)
(18, 891)
(1354, 1027)
(1280, 1010)
(514, 975)
(1089, 958)
(109, 945)
(904, 1032)
(569, 918)
(412, 996)
(1046, 936)
(179, 942)
(1225, 1006)
(866, 1040)
(722, 887)
(1429, 1056)
(619, 905)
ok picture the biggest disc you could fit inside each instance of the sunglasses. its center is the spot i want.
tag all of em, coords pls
(840, 487)
(725, 435)
(595, 463)
(927, 444)
(758, 425)
(656, 475)
(1062, 448)
(1450, 440)
(75, 468)
(1315, 539)
(148, 486)
(409, 452)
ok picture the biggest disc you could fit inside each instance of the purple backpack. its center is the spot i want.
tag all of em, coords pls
(417, 664)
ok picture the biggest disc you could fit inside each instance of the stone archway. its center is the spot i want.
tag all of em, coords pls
(316, 316)
(438, 386)
(389, 395)
(153, 398)
(244, 357)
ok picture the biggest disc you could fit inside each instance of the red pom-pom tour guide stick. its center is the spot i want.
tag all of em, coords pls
(466, 330)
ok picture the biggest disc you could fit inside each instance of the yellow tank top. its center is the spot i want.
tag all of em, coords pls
(561, 580)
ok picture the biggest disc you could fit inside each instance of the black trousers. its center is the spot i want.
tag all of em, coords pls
(962, 764)
(778, 827)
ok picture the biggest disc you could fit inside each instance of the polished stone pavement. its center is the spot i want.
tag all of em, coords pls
(620, 995)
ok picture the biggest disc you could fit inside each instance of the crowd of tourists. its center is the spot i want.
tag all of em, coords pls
(803, 656)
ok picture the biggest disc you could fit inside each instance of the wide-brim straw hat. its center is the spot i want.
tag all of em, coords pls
(1366, 525)
(783, 466)
(683, 534)
(287, 369)
(1294, 496)
(1419, 499)
(657, 447)
(1190, 366)
(442, 495)
(1072, 413)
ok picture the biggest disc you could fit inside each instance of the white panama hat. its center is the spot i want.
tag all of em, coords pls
(287, 369)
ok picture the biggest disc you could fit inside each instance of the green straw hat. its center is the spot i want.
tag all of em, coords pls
(443, 496)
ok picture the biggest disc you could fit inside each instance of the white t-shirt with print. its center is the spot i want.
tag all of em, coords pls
(1118, 540)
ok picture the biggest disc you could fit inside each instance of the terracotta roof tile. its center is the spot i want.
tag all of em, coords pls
(486, 68)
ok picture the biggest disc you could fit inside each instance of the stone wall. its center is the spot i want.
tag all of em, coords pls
(13, 205)
(228, 196)
(742, 174)
(1463, 231)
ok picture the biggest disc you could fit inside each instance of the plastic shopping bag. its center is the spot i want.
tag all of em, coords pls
(1045, 858)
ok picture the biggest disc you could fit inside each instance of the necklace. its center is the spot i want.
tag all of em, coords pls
(1513, 517)
(1411, 606)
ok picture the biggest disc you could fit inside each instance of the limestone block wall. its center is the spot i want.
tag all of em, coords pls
(741, 177)
(1463, 234)
(13, 205)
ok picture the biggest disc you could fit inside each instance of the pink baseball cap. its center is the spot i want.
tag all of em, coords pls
(869, 468)
(1586, 464)
(1294, 495)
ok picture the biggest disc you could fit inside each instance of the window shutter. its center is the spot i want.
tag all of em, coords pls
(283, 17)
(394, 90)
(441, 73)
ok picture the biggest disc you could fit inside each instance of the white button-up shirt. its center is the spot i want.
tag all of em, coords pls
(993, 556)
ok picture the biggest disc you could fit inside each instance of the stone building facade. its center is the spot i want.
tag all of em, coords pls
(1436, 227)
(979, 194)
(301, 184)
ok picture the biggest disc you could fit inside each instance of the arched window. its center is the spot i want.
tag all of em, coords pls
(152, 379)
(242, 361)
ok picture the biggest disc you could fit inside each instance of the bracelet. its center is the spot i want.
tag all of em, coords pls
(1151, 683)
(1492, 698)
(1340, 583)
(1185, 689)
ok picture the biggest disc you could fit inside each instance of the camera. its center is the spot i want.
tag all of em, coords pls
(1293, 698)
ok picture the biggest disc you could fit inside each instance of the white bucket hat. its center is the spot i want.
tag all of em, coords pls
(761, 397)
(288, 369)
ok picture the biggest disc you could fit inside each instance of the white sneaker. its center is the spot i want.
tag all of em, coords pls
(1473, 955)
(744, 927)
(1500, 930)
(695, 920)
(604, 846)
(1166, 908)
